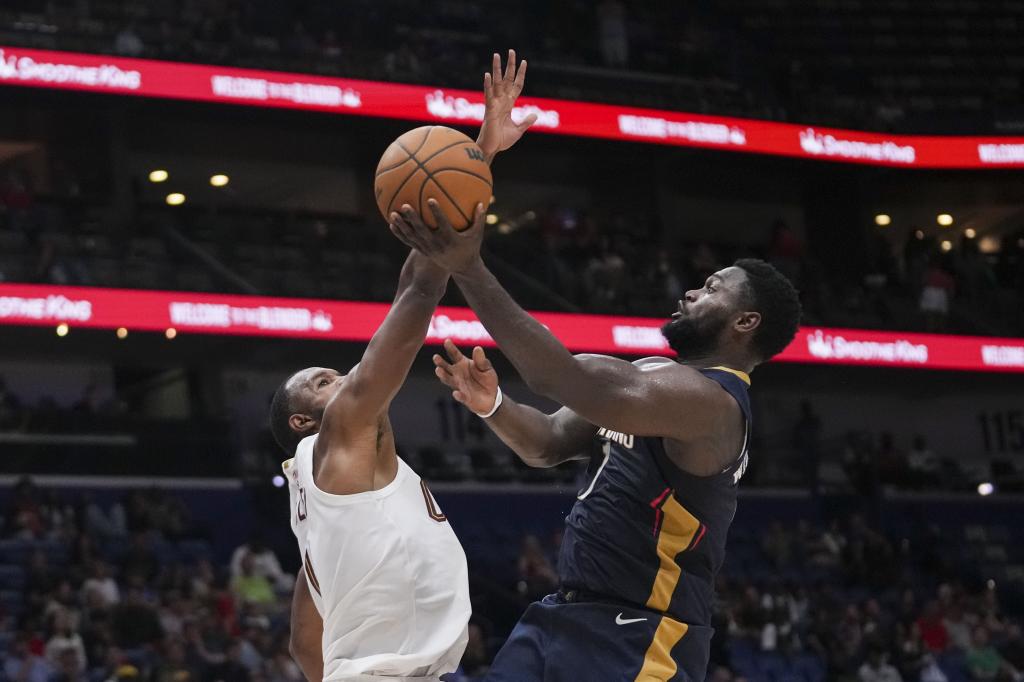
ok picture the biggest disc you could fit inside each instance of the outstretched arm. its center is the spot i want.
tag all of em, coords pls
(664, 399)
(354, 422)
(540, 440)
(370, 386)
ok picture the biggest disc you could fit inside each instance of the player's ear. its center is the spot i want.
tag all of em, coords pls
(748, 321)
(300, 423)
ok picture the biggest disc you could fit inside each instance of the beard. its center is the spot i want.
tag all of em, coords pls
(693, 337)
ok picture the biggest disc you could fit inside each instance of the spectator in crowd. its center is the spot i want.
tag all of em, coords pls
(877, 668)
(537, 576)
(70, 666)
(985, 663)
(104, 524)
(264, 563)
(932, 628)
(128, 42)
(1012, 649)
(102, 584)
(249, 586)
(283, 668)
(174, 666)
(22, 665)
(936, 295)
(65, 638)
(957, 627)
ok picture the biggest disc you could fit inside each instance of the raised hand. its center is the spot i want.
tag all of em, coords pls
(473, 381)
(498, 131)
(452, 250)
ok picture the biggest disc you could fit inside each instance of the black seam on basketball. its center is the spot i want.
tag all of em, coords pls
(430, 177)
(412, 157)
(411, 154)
(399, 188)
(467, 172)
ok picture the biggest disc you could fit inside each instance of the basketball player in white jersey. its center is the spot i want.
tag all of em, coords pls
(383, 592)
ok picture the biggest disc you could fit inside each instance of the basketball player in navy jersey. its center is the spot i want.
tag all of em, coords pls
(646, 537)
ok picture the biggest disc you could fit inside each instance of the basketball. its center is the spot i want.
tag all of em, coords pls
(433, 162)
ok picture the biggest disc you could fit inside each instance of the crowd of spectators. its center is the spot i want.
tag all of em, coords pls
(101, 599)
(586, 262)
(740, 57)
(870, 612)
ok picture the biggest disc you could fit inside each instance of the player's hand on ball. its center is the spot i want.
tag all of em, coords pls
(473, 381)
(453, 250)
(498, 131)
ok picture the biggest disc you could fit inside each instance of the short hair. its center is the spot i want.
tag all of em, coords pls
(282, 407)
(774, 296)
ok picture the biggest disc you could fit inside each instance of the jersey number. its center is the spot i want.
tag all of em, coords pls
(300, 510)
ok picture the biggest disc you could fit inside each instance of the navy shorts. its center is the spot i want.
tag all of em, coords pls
(592, 641)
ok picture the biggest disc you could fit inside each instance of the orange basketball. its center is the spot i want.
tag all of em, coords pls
(433, 162)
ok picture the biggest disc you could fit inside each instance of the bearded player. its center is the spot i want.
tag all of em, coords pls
(383, 592)
(646, 536)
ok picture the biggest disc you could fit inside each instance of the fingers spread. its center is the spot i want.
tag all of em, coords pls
(413, 218)
(527, 122)
(480, 359)
(521, 75)
(442, 364)
(479, 217)
(446, 379)
(398, 229)
(443, 224)
(454, 354)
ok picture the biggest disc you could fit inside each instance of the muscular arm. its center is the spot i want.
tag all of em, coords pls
(649, 399)
(354, 420)
(306, 642)
(371, 385)
(541, 440)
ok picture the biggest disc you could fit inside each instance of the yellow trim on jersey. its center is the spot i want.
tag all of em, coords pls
(658, 662)
(677, 531)
(744, 377)
(285, 465)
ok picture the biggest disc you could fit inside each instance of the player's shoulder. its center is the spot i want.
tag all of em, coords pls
(699, 389)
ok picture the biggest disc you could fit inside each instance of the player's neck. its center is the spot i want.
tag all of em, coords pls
(731, 361)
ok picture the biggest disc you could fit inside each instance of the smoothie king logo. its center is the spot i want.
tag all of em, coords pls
(13, 67)
(829, 347)
(56, 308)
(444, 327)
(818, 144)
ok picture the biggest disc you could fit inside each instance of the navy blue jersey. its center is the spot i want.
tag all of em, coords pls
(644, 532)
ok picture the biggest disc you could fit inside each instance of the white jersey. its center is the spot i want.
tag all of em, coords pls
(386, 573)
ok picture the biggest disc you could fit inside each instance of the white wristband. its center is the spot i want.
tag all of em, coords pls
(497, 404)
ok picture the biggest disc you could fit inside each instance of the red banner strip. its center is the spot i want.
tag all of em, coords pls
(44, 305)
(150, 78)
